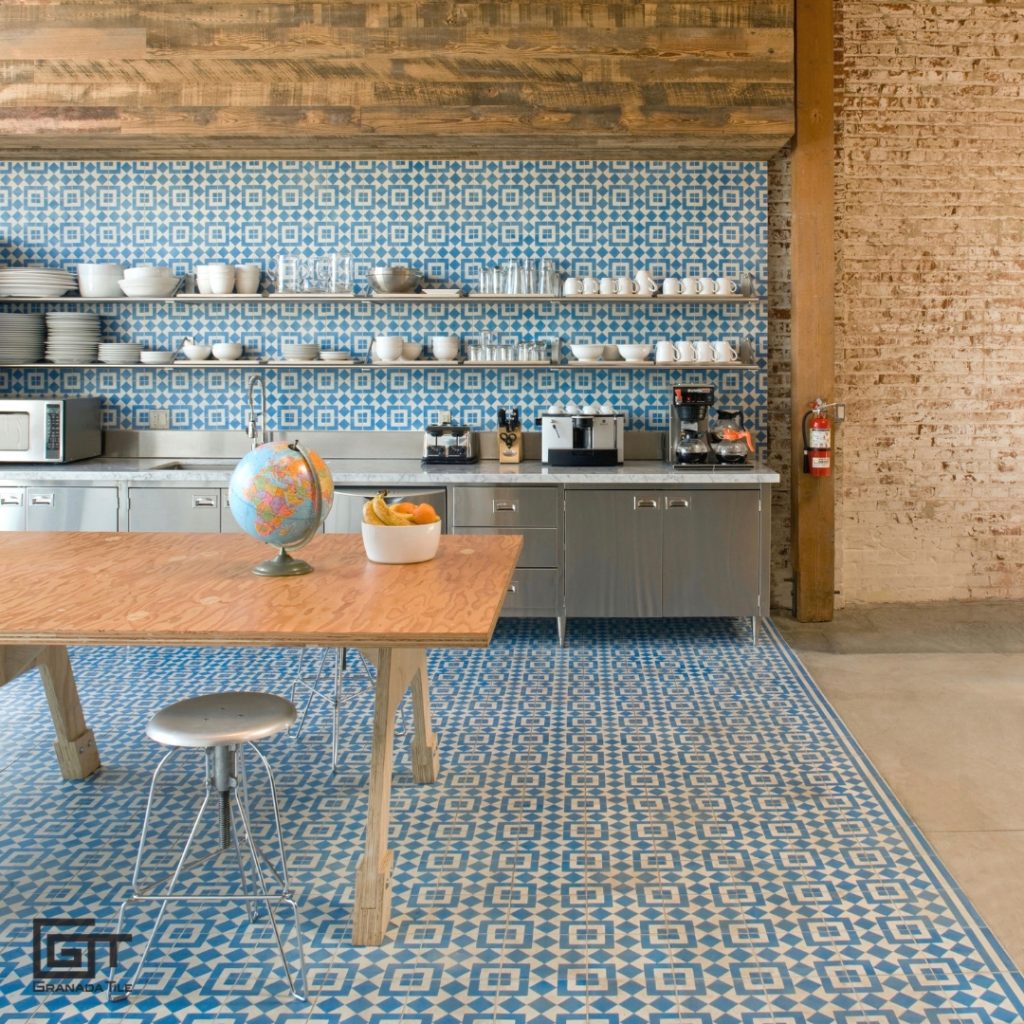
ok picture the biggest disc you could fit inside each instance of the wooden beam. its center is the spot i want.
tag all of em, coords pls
(812, 257)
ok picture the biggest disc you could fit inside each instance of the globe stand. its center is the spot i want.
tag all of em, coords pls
(282, 565)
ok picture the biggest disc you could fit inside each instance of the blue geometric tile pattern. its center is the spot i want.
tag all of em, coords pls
(656, 823)
(448, 217)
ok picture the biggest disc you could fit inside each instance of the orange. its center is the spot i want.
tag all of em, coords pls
(424, 514)
(404, 506)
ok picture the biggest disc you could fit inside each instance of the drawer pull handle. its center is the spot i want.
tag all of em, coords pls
(42, 499)
(639, 503)
(677, 503)
(10, 499)
(513, 587)
(204, 501)
(504, 506)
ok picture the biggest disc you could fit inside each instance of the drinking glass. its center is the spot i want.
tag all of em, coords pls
(288, 273)
(551, 283)
(343, 273)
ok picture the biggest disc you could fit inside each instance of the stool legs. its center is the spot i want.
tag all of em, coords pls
(225, 788)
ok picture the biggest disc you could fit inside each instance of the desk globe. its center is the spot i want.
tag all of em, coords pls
(281, 493)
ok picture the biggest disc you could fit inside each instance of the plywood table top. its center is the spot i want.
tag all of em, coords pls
(183, 589)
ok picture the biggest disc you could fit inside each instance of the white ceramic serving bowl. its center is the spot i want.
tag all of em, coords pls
(99, 280)
(227, 350)
(399, 545)
(587, 352)
(193, 351)
(156, 358)
(142, 272)
(612, 352)
(634, 353)
(388, 347)
(158, 287)
(411, 350)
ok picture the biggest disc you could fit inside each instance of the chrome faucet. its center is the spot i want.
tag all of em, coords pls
(256, 427)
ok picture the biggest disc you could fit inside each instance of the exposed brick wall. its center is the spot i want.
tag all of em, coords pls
(930, 304)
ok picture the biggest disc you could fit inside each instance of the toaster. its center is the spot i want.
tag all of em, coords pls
(448, 444)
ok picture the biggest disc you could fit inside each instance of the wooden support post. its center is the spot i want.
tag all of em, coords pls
(75, 745)
(813, 282)
(425, 760)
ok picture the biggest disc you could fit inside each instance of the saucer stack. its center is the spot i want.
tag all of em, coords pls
(72, 337)
(21, 338)
(35, 282)
(120, 353)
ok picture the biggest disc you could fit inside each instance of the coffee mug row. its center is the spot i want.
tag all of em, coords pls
(223, 278)
(644, 284)
(622, 285)
(695, 352)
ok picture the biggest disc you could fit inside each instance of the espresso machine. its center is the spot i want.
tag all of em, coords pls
(688, 443)
(574, 440)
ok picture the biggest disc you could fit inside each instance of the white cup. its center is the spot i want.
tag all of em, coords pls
(691, 285)
(591, 285)
(222, 279)
(671, 286)
(606, 286)
(445, 346)
(388, 347)
(645, 284)
(703, 352)
(705, 286)
(247, 278)
(99, 280)
(665, 352)
(146, 271)
(625, 285)
(572, 286)
(203, 280)
(684, 352)
(724, 352)
(726, 286)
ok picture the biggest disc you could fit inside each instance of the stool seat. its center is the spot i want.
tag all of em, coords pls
(218, 719)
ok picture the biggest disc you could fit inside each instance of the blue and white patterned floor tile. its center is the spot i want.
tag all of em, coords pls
(658, 823)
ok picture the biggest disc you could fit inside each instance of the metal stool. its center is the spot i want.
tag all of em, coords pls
(333, 696)
(224, 725)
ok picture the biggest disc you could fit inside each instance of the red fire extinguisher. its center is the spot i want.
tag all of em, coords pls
(817, 440)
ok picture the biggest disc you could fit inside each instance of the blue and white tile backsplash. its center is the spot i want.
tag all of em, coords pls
(445, 217)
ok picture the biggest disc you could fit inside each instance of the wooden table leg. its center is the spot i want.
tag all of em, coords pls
(75, 745)
(425, 760)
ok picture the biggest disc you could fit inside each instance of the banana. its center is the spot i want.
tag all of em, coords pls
(386, 514)
(369, 516)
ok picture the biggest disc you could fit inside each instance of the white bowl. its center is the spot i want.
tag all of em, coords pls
(138, 273)
(196, 351)
(399, 545)
(158, 287)
(612, 352)
(156, 358)
(411, 350)
(634, 353)
(587, 352)
(227, 350)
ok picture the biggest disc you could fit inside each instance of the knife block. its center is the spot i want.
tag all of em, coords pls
(510, 445)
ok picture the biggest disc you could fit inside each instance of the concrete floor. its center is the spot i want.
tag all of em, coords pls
(934, 694)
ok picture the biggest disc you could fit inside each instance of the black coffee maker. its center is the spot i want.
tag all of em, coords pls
(688, 443)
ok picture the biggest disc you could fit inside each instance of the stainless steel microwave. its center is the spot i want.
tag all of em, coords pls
(49, 429)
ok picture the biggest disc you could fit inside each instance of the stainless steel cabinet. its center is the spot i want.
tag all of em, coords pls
(346, 515)
(711, 558)
(613, 553)
(12, 509)
(227, 519)
(519, 507)
(71, 508)
(676, 553)
(174, 509)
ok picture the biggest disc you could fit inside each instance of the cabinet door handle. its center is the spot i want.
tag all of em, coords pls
(10, 499)
(639, 503)
(503, 506)
(513, 587)
(677, 503)
(204, 501)
(42, 499)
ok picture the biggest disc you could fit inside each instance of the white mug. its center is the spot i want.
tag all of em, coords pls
(222, 278)
(691, 285)
(203, 280)
(445, 346)
(625, 285)
(671, 286)
(665, 352)
(590, 286)
(572, 286)
(705, 286)
(703, 352)
(684, 352)
(645, 284)
(247, 278)
(606, 286)
(724, 352)
(726, 286)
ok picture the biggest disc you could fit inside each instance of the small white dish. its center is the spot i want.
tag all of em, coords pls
(150, 288)
(336, 357)
(411, 351)
(588, 353)
(227, 350)
(196, 352)
(154, 358)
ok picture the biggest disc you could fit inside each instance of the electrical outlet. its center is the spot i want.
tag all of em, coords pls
(444, 417)
(159, 419)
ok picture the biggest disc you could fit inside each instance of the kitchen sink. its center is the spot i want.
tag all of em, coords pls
(182, 464)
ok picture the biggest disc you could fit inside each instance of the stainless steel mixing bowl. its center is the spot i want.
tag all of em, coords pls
(394, 279)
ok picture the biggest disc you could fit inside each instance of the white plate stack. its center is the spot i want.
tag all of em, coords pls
(72, 338)
(21, 338)
(35, 282)
(120, 353)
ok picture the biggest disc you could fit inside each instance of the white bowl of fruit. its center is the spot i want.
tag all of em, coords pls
(400, 532)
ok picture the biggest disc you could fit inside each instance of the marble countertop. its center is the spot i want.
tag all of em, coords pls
(393, 472)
